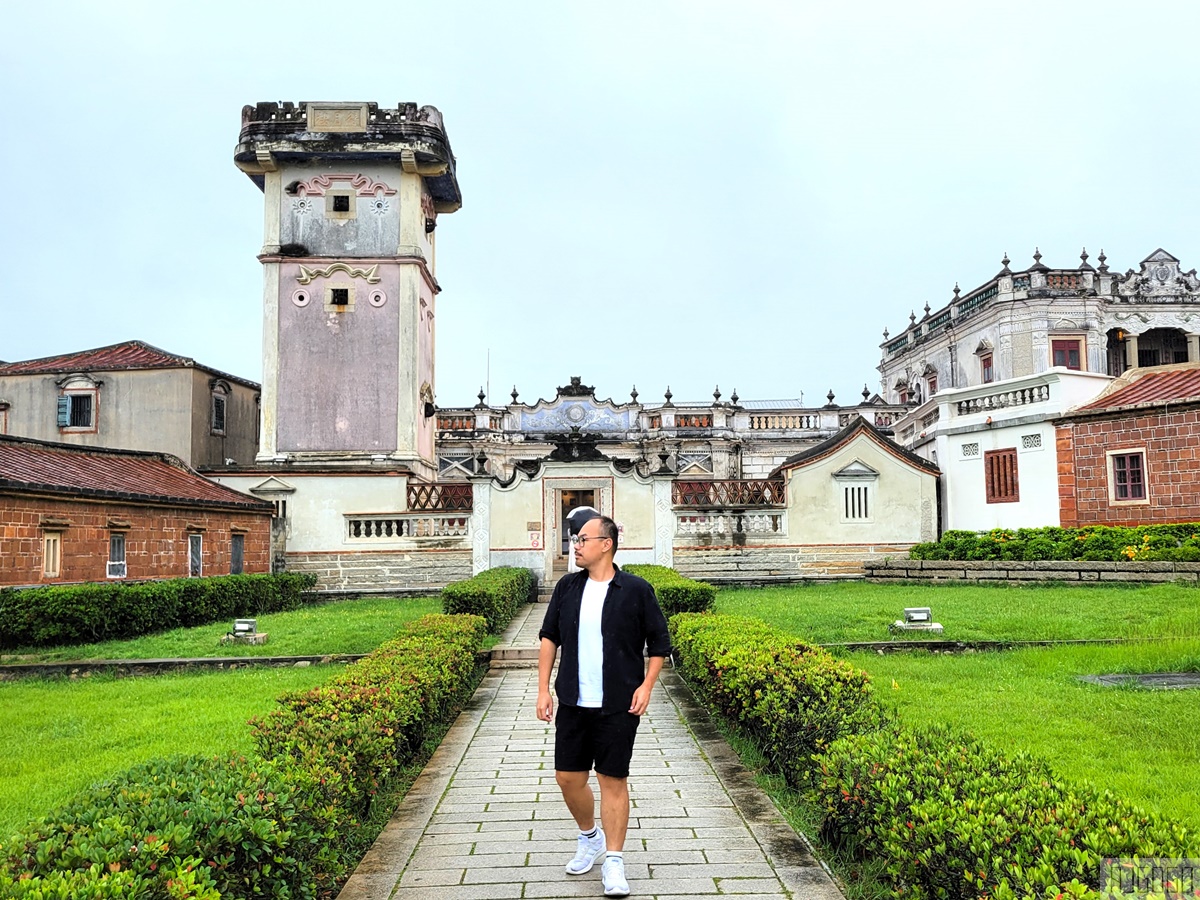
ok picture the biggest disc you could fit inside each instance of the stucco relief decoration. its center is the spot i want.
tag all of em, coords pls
(377, 298)
(302, 206)
(307, 275)
(301, 298)
(363, 185)
(1160, 280)
(583, 415)
(379, 205)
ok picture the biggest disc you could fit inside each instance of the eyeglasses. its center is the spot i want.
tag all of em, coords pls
(576, 539)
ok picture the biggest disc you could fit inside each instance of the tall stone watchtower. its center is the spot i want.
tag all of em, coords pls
(352, 194)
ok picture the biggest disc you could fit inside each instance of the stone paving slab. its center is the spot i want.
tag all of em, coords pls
(485, 818)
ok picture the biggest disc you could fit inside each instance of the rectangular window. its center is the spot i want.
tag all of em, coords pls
(195, 555)
(1129, 476)
(76, 411)
(51, 554)
(339, 296)
(932, 385)
(218, 414)
(341, 203)
(1000, 469)
(116, 555)
(1148, 356)
(986, 372)
(237, 553)
(1066, 353)
(855, 500)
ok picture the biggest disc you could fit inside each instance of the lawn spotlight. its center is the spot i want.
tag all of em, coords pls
(916, 618)
(245, 631)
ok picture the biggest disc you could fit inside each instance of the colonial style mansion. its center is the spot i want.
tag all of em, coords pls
(376, 488)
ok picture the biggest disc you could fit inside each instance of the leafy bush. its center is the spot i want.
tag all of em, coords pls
(182, 828)
(792, 699)
(675, 593)
(349, 736)
(1178, 542)
(66, 614)
(495, 594)
(952, 818)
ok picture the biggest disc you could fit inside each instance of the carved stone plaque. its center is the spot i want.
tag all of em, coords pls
(337, 117)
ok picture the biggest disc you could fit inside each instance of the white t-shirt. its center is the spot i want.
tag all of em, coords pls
(591, 644)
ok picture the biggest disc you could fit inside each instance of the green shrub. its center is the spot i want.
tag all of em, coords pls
(350, 736)
(76, 613)
(1119, 543)
(675, 593)
(181, 828)
(953, 818)
(792, 699)
(495, 594)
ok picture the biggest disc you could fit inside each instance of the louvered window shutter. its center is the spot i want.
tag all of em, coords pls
(64, 412)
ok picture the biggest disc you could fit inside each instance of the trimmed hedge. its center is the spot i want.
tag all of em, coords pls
(78, 613)
(675, 593)
(1172, 543)
(792, 699)
(953, 818)
(289, 825)
(495, 594)
(185, 827)
(351, 735)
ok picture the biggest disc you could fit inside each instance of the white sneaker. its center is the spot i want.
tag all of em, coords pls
(613, 872)
(586, 853)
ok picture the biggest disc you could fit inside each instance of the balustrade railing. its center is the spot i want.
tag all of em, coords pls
(1038, 393)
(1021, 283)
(898, 344)
(777, 422)
(456, 423)
(1064, 281)
(972, 303)
(693, 420)
(729, 494)
(439, 496)
(766, 523)
(396, 527)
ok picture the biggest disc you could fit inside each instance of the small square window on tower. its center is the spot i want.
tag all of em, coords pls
(339, 298)
(340, 205)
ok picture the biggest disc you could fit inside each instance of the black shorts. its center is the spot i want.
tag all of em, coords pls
(584, 736)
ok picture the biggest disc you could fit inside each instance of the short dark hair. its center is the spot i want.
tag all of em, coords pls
(608, 529)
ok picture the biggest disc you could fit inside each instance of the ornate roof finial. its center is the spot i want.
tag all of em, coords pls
(912, 318)
(514, 393)
(829, 396)
(667, 396)
(866, 393)
(733, 398)
(633, 394)
(481, 395)
(1103, 261)
(956, 290)
(1004, 262)
(717, 394)
(1083, 262)
(1038, 265)
(481, 463)
(885, 332)
(1037, 255)
(926, 309)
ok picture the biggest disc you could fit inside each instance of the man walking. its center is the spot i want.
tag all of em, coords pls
(605, 621)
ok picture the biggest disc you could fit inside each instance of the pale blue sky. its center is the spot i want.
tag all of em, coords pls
(654, 193)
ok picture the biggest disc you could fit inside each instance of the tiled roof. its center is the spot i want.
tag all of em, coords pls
(94, 472)
(829, 445)
(127, 355)
(1158, 384)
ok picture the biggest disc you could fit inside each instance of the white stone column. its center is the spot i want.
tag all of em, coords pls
(1193, 344)
(1131, 351)
(664, 521)
(481, 524)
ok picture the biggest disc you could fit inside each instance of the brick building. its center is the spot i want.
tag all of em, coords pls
(70, 514)
(1132, 455)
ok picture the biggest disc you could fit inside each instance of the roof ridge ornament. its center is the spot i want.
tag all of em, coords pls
(1103, 261)
(1004, 262)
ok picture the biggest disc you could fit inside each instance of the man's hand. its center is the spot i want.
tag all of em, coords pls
(545, 705)
(641, 699)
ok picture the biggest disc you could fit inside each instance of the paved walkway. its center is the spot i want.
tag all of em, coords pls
(485, 818)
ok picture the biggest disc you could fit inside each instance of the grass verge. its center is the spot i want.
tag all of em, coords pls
(858, 611)
(340, 626)
(59, 736)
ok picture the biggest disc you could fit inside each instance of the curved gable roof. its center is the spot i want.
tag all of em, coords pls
(831, 445)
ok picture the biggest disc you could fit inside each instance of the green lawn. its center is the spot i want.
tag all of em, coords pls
(858, 611)
(59, 736)
(1142, 744)
(341, 626)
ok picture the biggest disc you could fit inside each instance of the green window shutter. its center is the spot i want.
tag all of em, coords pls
(64, 412)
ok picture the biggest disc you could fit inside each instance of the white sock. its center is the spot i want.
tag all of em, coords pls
(615, 854)
(591, 835)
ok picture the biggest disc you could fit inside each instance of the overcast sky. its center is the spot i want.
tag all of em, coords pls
(655, 193)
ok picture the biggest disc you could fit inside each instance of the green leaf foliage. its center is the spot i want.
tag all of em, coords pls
(1094, 543)
(675, 593)
(287, 824)
(76, 613)
(791, 698)
(954, 818)
(495, 594)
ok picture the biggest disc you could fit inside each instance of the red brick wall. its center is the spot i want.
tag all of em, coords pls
(1172, 444)
(156, 543)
